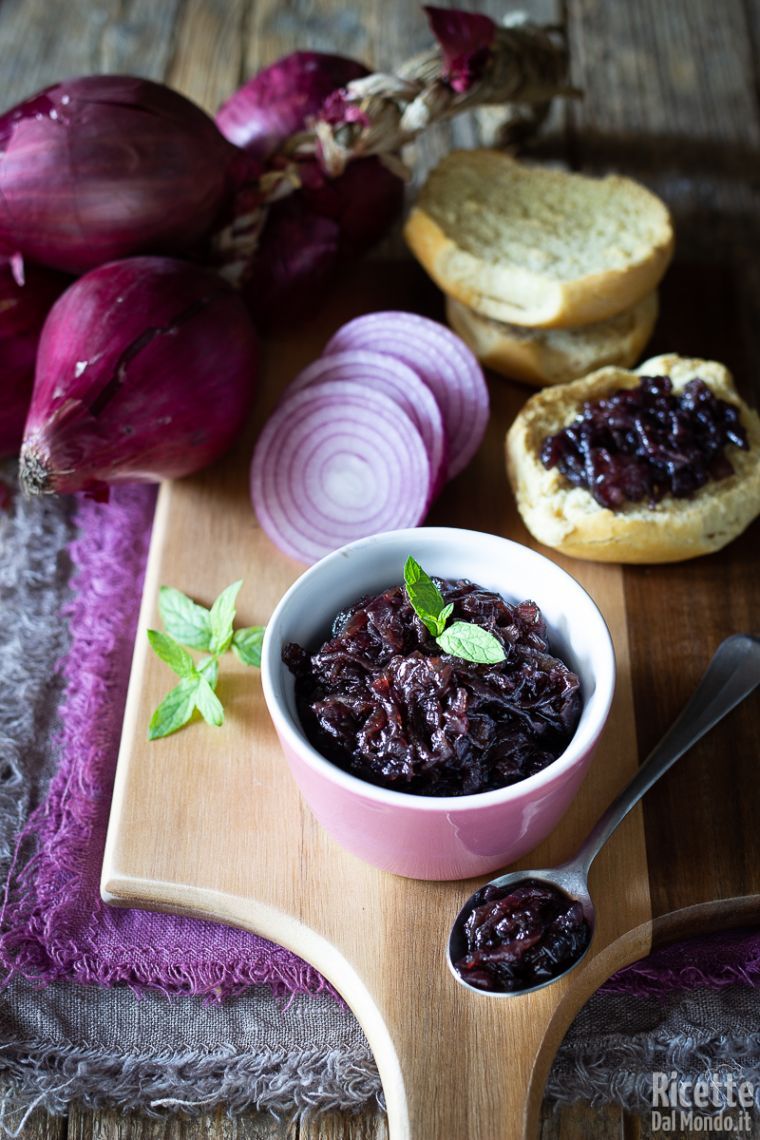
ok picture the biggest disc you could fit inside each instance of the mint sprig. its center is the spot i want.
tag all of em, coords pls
(462, 639)
(195, 626)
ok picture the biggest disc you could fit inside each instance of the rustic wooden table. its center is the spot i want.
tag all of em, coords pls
(671, 98)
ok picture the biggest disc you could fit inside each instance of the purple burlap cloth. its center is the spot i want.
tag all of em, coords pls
(53, 924)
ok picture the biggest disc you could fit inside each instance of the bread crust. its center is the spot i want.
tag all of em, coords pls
(568, 519)
(516, 295)
(543, 356)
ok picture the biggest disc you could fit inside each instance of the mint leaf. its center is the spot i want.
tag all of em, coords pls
(471, 643)
(425, 597)
(172, 653)
(221, 618)
(208, 667)
(212, 629)
(443, 617)
(184, 619)
(246, 644)
(175, 709)
(208, 703)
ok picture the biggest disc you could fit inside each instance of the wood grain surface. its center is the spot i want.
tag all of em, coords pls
(671, 97)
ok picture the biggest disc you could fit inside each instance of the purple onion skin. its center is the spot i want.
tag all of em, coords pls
(308, 236)
(108, 166)
(23, 309)
(145, 371)
(295, 262)
(276, 102)
(327, 221)
(465, 40)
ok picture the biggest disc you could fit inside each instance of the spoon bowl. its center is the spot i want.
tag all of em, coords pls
(568, 879)
(732, 674)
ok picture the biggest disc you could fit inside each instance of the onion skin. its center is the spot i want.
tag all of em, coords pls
(107, 166)
(465, 40)
(276, 101)
(145, 371)
(311, 233)
(23, 309)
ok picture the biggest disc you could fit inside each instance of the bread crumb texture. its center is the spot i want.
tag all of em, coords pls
(570, 520)
(536, 246)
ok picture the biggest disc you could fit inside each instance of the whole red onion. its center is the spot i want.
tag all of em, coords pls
(327, 221)
(311, 233)
(107, 166)
(145, 371)
(275, 103)
(23, 308)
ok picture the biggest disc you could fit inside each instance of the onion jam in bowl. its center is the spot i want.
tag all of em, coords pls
(411, 833)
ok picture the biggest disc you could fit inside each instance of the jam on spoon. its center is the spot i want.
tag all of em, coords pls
(551, 909)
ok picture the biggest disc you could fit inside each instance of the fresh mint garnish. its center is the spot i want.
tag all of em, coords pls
(471, 642)
(462, 638)
(192, 625)
(172, 653)
(427, 600)
(184, 619)
(221, 618)
(208, 667)
(175, 709)
(208, 703)
(246, 644)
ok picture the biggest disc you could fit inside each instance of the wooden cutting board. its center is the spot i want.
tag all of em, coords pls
(210, 823)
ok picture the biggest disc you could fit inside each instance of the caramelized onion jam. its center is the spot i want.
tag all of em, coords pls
(640, 444)
(381, 700)
(521, 936)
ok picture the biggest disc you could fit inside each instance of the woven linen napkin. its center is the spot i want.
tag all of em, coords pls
(180, 1012)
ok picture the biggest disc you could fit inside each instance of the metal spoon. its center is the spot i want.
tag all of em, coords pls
(732, 674)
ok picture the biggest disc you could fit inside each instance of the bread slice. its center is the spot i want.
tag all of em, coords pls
(555, 356)
(569, 519)
(538, 247)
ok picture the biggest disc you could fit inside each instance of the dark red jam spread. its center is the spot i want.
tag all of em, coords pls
(642, 443)
(383, 701)
(518, 937)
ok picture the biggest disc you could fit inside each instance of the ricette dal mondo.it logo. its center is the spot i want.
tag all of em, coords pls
(716, 1104)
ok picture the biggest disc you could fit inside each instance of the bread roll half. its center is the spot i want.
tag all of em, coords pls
(538, 247)
(570, 520)
(555, 356)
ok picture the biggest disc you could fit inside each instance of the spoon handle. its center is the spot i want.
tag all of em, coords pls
(732, 674)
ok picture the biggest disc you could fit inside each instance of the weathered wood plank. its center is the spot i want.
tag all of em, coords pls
(580, 1122)
(39, 1125)
(38, 47)
(369, 1125)
(671, 99)
(208, 59)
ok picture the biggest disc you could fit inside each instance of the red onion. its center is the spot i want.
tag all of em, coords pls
(23, 308)
(107, 166)
(276, 102)
(293, 265)
(308, 236)
(465, 39)
(145, 371)
(327, 221)
(335, 462)
(382, 373)
(441, 359)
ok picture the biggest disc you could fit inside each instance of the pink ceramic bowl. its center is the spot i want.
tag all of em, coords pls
(426, 837)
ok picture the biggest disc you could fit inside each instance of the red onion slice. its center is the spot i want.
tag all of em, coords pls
(336, 462)
(388, 375)
(441, 359)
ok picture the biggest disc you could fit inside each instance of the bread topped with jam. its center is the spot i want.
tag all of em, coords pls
(534, 246)
(669, 472)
